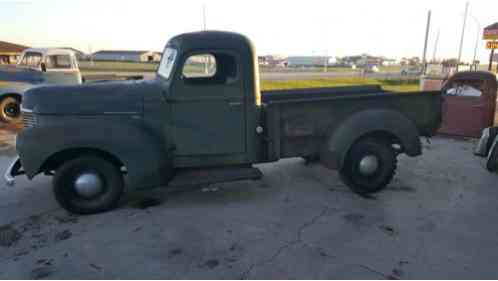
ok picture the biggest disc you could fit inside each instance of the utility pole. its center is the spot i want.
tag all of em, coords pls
(207, 59)
(436, 44)
(491, 56)
(427, 30)
(463, 35)
(474, 61)
(90, 54)
(204, 17)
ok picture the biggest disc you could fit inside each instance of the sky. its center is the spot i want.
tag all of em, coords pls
(393, 28)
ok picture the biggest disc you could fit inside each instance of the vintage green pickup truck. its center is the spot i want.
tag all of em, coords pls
(203, 120)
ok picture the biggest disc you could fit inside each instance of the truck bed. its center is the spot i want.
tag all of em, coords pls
(317, 93)
(299, 120)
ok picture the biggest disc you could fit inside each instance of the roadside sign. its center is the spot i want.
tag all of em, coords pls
(492, 45)
(491, 32)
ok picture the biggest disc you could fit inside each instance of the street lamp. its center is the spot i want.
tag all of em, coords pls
(463, 35)
(477, 38)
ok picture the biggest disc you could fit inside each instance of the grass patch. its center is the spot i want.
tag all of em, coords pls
(397, 85)
(115, 66)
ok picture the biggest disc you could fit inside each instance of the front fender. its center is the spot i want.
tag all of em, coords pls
(144, 154)
(372, 121)
(9, 88)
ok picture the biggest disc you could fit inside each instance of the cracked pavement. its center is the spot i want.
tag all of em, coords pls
(299, 222)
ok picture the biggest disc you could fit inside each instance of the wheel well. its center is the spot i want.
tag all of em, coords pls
(57, 159)
(386, 136)
(18, 97)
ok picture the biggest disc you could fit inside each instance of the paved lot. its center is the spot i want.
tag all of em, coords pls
(436, 220)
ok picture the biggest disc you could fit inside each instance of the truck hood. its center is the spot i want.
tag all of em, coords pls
(12, 73)
(123, 97)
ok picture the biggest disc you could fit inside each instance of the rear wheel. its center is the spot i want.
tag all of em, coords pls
(10, 110)
(369, 166)
(88, 185)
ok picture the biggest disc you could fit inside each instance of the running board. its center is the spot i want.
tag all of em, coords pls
(193, 177)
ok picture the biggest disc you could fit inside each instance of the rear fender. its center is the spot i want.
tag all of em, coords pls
(144, 154)
(361, 124)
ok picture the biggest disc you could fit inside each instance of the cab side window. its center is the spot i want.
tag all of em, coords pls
(31, 59)
(199, 66)
(59, 62)
(206, 69)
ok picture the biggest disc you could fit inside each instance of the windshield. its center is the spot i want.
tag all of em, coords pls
(167, 62)
(31, 59)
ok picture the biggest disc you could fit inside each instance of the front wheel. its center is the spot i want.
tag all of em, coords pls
(369, 166)
(10, 110)
(88, 185)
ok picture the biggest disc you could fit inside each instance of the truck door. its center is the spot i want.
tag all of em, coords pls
(207, 105)
(61, 69)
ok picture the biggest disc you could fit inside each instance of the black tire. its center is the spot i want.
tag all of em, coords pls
(492, 160)
(67, 195)
(10, 110)
(366, 184)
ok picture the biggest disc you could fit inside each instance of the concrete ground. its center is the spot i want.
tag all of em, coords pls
(436, 220)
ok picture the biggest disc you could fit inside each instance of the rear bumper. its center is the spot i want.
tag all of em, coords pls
(14, 169)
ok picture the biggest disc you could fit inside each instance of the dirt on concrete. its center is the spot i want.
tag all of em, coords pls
(304, 224)
(8, 135)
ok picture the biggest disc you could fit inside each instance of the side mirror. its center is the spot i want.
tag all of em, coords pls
(43, 67)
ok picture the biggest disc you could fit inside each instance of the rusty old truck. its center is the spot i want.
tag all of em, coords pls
(204, 120)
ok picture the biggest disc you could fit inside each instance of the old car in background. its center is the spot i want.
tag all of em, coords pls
(204, 120)
(35, 67)
(411, 71)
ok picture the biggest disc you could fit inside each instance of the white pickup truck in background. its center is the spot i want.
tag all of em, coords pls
(35, 67)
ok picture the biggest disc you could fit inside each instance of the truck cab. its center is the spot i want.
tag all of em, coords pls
(35, 67)
(211, 86)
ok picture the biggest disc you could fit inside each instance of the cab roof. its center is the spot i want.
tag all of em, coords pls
(50, 51)
(211, 40)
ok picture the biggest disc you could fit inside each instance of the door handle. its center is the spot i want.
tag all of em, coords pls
(170, 100)
(235, 103)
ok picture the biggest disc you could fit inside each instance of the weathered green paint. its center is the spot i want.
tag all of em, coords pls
(154, 128)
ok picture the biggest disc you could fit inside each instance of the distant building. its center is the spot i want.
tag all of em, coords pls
(10, 52)
(131, 56)
(389, 62)
(273, 60)
(79, 54)
(366, 60)
(411, 61)
(263, 60)
(310, 61)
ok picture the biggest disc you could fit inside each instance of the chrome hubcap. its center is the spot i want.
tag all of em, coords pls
(11, 110)
(369, 165)
(88, 185)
